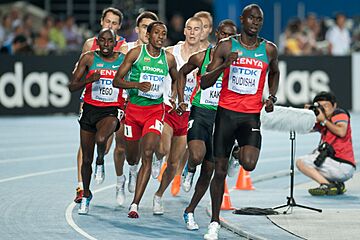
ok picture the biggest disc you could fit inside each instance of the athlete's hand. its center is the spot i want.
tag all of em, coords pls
(93, 77)
(231, 58)
(173, 105)
(144, 86)
(269, 105)
(181, 108)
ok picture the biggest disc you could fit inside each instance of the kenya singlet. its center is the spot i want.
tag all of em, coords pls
(101, 93)
(151, 69)
(243, 81)
(208, 98)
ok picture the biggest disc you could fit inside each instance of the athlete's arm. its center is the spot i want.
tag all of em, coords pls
(119, 81)
(194, 62)
(222, 59)
(85, 61)
(87, 45)
(273, 75)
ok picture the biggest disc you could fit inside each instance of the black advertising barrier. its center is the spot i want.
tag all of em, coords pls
(34, 85)
(31, 85)
(303, 77)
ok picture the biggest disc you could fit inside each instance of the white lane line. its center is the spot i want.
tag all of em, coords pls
(70, 220)
(55, 145)
(37, 174)
(30, 159)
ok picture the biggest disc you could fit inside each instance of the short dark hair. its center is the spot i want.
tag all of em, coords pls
(151, 25)
(114, 11)
(225, 22)
(146, 14)
(325, 96)
(107, 30)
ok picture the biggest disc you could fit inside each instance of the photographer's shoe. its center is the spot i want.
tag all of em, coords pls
(341, 187)
(324, 189)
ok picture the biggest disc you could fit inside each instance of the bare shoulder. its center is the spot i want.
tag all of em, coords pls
(169, 55)
(88, 44)
(270, 46)
(169, 49)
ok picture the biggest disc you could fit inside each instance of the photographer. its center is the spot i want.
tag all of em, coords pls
(332, 163)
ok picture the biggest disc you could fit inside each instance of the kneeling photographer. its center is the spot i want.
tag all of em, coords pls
(332, 163)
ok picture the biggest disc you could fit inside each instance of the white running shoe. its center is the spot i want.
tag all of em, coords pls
(133, 211)
(132, 180)
(120, 192)
(99, 175)
(84, 205)
(158, 208)
(187, 179)
(213, 231)
(190, 221)
(233, 165)
(155, 166)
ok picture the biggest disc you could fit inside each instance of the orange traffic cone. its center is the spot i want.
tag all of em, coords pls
(226, 203)
(163, 168)
(244, 181)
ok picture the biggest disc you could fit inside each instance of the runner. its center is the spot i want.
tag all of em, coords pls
(142, 22)
(244, 59)
(173, 138)
(148, 66)
(207, 21)
(201, 124)
(101, 114)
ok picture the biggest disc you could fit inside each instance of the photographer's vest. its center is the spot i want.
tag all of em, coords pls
(151, 69)
(243, 82)
(101, 93)
(208, 98)
(342, 145)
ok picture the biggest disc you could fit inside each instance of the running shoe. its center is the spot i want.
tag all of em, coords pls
(213, 231)
(175, 187)
(79, 195)
(341, 187)
(84, 205)
(324, 189)
(155, 166)
(99, 175)
(187, 179)
(190, 221)
(133, 211)
(120, 192)
(132, 181)
(158, 208)
(234, 164)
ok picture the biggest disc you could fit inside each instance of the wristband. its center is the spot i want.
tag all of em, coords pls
(272, 98)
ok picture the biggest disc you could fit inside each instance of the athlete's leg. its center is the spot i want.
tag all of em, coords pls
(178, 145)
(149, 143)
(164, 146)
(87, 144)
(197, 152)
(248, 156)
(105, 129)
(119, 151)
(207, 169)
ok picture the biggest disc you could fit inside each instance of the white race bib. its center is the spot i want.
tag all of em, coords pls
(244, 80)
(210, 96)
(189, 88)
(102, 90)
(157, 85)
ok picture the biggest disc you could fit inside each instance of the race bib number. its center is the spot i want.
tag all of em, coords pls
(102, 90)
(189, 88)
(157, 85)
(210, 96)
(128, 131)
(157, 126)
(244, 80)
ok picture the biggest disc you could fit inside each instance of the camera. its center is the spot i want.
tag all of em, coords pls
(325, 150)
(316, 108)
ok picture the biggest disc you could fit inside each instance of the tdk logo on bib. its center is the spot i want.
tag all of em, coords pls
(152, 78)
(245, 71)
(104, 82)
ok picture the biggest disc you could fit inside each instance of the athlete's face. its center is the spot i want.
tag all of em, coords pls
(207, 28)
(141, 29)
(157, 36)
(252, 20)
(193, 31)
(111, 21)
(225, 30)
(106, 42)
